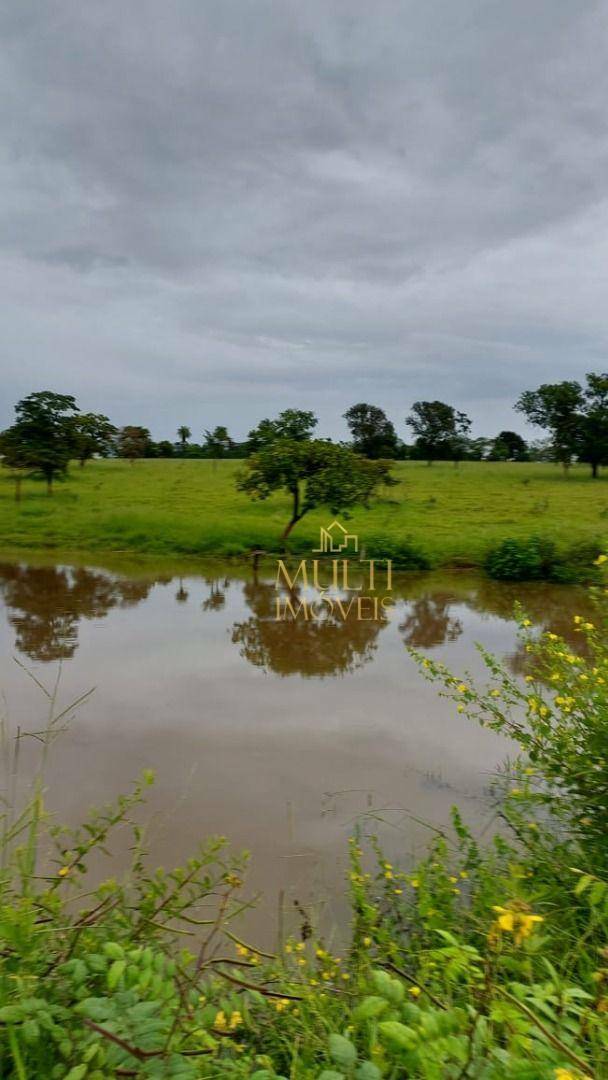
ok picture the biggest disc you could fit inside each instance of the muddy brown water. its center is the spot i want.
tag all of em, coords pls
(280, 736)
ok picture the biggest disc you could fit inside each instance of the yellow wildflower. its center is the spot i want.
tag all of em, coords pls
(63, 871)
(517, 921)
(462, 688)
(281, 1004)
(242, 950)
(415, 991)
(220, 1021)
(235, 1020)
(601, 559)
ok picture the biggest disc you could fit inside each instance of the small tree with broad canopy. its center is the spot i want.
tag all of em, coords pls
(441, 432)
(372, 432)
(133, 442)
(42, 437)
(93, 434)
(314, 473)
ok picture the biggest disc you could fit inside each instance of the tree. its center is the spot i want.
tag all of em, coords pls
(42, 437)
(557, 407)
(372, 432)
(133, 442)
(165, 449)
(509, 446)
(217, 442)
(15, 457)
(593, 448)
(92, 434)
(440, 430)
(183, 434)
(315, 473)
(290, 424)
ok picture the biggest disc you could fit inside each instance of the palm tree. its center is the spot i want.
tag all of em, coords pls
(184, 434)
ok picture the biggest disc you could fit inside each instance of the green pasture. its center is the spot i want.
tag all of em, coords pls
(191, 507)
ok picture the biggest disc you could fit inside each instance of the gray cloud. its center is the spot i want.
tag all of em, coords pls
(214, 210)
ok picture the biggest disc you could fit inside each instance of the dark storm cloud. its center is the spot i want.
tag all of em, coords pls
(212, 210)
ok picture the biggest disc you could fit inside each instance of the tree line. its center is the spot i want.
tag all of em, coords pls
(49, 431)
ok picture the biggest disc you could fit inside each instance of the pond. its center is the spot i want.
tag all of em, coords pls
(279, 735)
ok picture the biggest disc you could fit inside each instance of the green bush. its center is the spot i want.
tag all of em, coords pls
(538, 559)
(522, 560)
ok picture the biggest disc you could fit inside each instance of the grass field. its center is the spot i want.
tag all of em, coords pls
(191, 507)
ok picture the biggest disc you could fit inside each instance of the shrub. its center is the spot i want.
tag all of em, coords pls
(538, 559)
(521, 560)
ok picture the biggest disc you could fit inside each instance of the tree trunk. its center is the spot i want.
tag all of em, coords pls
(594, 469)
(82, 461)
(296, 515)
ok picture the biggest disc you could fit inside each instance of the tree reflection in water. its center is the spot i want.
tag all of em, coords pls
(429, 621)
(46, 603)
(313, 648)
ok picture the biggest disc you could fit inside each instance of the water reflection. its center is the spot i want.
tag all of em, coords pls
(429, 622)
(323, 647)
(45, 604)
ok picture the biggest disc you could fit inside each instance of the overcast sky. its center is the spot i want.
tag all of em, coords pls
(216, 209)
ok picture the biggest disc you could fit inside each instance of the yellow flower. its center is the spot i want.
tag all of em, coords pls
(517, 921)
(462, 688)
(235, 1020)
(494, 693)
(567, 1074)
(220, 1021)
(388, 874)
(281, 1004)
(601, 559)
(242, 951)
(63, 871)
(526, 622)
(415, 991)
(367, 942)
(300, 946)
(415, 883)
(398, 892)
(453, 879)
(464, 874)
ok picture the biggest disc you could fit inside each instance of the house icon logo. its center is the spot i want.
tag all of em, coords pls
(335, 538)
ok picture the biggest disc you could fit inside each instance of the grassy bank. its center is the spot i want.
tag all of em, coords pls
(450, 516)
(483, 962)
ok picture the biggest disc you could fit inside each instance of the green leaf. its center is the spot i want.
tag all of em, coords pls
(368, 1071)
(398, 1035)
(370, 1008)
(77, 1073)
(114, 950)
(30, 1031)
(11, 1014)
(342, 1051)
(116, 973)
